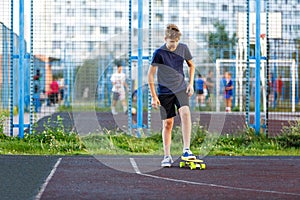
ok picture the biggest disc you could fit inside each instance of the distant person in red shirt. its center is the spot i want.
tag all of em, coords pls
(278, 90)
(54, 87)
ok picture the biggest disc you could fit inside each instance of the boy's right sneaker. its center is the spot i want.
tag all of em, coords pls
(187, 154)
(167, 161)
(114, 112)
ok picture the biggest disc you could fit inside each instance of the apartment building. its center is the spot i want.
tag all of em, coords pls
(87, 28)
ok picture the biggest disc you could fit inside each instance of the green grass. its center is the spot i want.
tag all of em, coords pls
(203, 143)
(55, 140)
(52, 141)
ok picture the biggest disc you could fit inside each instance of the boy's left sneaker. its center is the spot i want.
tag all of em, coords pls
(167, 161)
(187, 154)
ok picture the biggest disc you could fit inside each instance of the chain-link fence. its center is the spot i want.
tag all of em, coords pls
(73, 49)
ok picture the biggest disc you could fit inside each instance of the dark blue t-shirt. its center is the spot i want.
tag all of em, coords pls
(169, 64)
(228, 84)
(199, 84)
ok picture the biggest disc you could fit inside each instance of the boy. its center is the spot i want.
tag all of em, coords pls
(200, 90)
(118, 80)
(172, 89)
(228, 91)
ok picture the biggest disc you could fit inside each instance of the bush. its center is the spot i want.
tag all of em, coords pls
(55, 138)
(3, 118)
(290, 136)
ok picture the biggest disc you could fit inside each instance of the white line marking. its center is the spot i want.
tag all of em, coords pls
(134, 165)
(136, 169)
(39, 195)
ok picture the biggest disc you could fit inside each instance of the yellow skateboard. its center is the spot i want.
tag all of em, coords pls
(192, 163)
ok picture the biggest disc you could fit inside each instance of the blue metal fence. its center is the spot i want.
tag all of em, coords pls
(78, 43)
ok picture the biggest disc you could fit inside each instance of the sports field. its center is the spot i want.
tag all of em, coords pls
(102, 177)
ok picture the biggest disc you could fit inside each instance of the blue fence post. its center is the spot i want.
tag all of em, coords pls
(5, 66)
(149, 60)
(140, 66)
(11, 74)
(257, 69)
(129, 122)
(248, 66)
(21, 70)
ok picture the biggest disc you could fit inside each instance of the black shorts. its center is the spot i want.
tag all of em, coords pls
(116, 96)
(199, 91)
(169, 101)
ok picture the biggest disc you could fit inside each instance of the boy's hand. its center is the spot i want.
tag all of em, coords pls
(155, 102)
(190, 90)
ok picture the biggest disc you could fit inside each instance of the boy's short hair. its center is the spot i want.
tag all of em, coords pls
(172, 31)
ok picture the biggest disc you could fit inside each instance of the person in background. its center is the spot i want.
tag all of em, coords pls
(277, 90)
(210, 85)
(200, 90)
(118, 80)
(54, 87)
(228, 86)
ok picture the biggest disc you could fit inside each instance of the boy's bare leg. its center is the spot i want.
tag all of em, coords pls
(186, 125)
(167, 135)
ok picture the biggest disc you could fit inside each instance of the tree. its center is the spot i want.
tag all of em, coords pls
(219, 43)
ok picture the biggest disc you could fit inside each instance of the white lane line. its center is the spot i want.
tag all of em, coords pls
(136, 169)
(39, 195)
(134, 165)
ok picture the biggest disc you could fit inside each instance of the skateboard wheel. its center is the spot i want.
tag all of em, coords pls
(181, 164)
(193, 166)
(202, 166)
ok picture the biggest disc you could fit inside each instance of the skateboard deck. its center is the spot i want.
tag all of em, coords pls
(192, 163)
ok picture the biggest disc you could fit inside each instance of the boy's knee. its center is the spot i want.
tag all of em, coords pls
(168, 124)
(184, 110)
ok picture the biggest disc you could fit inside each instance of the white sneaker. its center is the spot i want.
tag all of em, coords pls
(167, 161)
(114, 112)
(187, 154)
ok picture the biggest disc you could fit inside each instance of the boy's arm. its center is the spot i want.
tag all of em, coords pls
(190, 88)
(151, 73)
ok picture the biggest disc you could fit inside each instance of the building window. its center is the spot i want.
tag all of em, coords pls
(70, 31)
(135, 32)
(57, 10)
(56, 44)
(159, 2)
(91, 30)
(238, 8)
(135, 15)
(174, 18)
(117, 47)
(92, 12)
(118, 14)
(118, 30)
(159, 17)
(186, 20)
(173, 3)
(103, 30)
(224, 7)
(56, 28)
(70, 12)
(204, 20)
(185, 5)
(90, 46)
